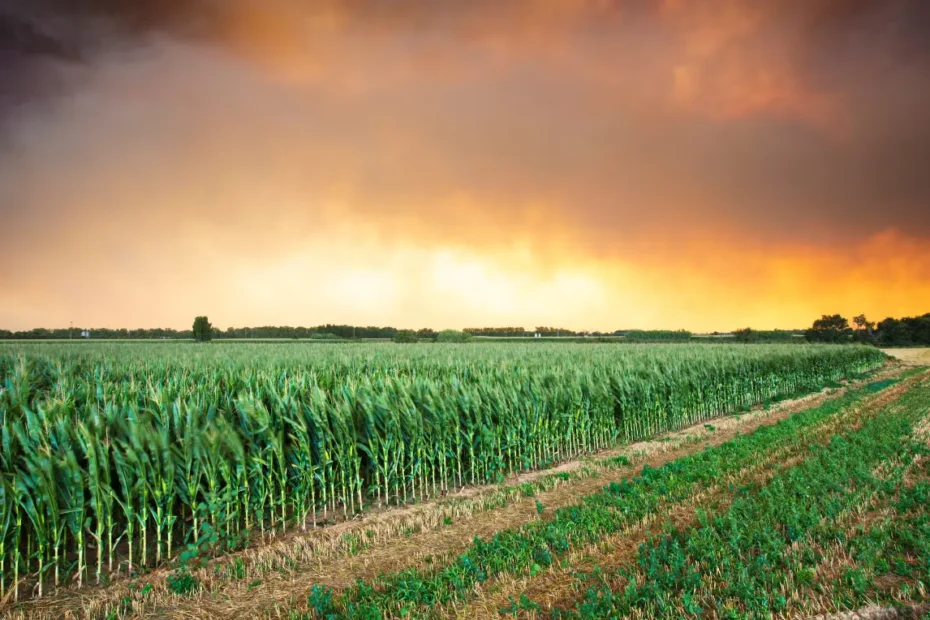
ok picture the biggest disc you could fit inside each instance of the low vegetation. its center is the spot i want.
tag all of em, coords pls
(786, 543)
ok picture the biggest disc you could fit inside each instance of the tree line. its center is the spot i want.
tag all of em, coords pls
(904, 332)
(64, 333)
(322, 332)
(892, 332)
(772, 336)
(327, 331)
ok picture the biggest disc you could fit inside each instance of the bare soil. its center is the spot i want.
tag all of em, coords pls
(872, 612)
(911, 357)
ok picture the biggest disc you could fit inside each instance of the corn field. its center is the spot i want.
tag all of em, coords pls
(115, 456)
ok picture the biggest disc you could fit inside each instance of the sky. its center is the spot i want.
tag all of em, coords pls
(589, 164)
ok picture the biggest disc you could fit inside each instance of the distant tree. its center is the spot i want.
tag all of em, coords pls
(865, 329)
(657, 335)
(908, 331)
(203, 331)
(918, 328)
(451, 335)
(406, 336)
(426, 334)
(554, 331)
(892, 332)
(863, 323)
(830, 328)
(498, 332)
(748, 335)
(324, 336)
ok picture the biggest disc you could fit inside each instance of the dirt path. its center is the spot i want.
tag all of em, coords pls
(277, 576)
(873, 612)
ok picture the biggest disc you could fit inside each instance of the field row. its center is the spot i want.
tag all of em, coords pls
(114, 459)
(582, 537)
(782, 545)
(831, 452)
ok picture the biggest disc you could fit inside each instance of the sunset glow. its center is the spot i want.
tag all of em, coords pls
(591, 164)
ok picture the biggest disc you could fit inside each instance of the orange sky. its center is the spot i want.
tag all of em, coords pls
(588, 164)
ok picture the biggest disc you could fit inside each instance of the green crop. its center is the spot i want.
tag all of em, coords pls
(758, 557)
(112, 457)
(538, 544)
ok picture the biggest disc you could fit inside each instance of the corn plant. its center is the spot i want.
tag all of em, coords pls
(110, 453)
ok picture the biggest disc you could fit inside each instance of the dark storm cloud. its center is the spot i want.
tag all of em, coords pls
(874, 57)
(829, 29)
(36, 33)
(655, 162)
(578, 118)
(69, 28)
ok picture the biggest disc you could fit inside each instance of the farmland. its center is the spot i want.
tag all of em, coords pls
(455, 479)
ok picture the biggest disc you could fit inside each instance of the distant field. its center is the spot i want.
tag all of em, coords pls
(915, 356)
(231, 341)
(205, 481)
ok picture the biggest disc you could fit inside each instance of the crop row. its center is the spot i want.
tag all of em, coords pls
(758, 557)
(539, 544)
(110, 456)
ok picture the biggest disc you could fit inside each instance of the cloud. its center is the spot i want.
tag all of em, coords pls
(618, 154)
